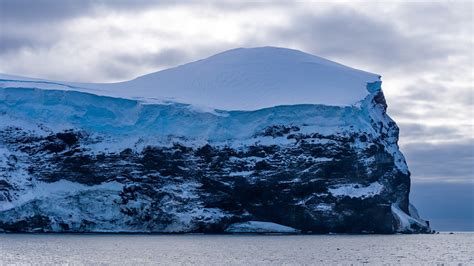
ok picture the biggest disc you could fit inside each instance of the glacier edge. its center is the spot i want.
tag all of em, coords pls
(101, 130)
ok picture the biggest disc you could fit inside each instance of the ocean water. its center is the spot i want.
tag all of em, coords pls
(457, 248)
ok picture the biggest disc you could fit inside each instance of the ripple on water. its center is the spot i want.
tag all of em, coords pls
(236, 249)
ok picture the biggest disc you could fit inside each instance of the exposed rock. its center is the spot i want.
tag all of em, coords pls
(106, 164)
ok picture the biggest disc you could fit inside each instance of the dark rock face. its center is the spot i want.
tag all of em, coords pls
(263, 183)
(343, 182)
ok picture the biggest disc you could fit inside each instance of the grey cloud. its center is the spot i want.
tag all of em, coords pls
(465, 97)
(404, 108)
(442, 162)
(441, 16)
(35, 24)
(122, 66)
(422, 132)
(24, 11)
(49, 11)
(346, 33)
(422, 90)
(430, 99)
(164, 57)
(38, 25)
(114, 71)
(231, 5)
(11, 43)
(13, 39)
(423, 94)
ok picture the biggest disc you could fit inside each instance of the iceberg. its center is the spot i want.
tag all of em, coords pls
(241, 140)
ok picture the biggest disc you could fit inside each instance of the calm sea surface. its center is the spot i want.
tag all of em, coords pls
(233, 249)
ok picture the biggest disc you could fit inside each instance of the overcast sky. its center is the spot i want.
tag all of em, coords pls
(423, 50)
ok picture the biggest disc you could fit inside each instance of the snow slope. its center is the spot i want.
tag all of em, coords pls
(239, 79)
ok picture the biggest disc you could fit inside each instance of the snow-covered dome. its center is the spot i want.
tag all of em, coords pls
(247, 79)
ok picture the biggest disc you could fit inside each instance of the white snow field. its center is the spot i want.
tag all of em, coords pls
(238, 79)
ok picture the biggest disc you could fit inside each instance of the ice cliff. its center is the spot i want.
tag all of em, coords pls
(249, 140)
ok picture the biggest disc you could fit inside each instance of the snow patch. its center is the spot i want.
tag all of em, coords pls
(357, 190)
(324, 207)
(62, 188)
(241, 173)
(259, 227)
(323, 159)
(405, 221)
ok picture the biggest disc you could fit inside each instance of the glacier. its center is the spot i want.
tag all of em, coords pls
(249, 140)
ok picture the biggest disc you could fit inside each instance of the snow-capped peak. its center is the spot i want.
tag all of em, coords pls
(240, 79)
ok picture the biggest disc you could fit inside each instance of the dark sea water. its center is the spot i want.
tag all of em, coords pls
(457, 248)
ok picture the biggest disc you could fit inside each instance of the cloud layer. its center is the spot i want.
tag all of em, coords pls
(422, 50)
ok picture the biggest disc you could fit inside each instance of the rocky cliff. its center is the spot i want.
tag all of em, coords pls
(321, 157)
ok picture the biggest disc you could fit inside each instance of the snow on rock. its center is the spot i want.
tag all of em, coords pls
(413, 212)
(239, 79)
(259, 227)
(324, 207)
(357, 190)
(407, 223)
(59, 189)
(262, 134)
